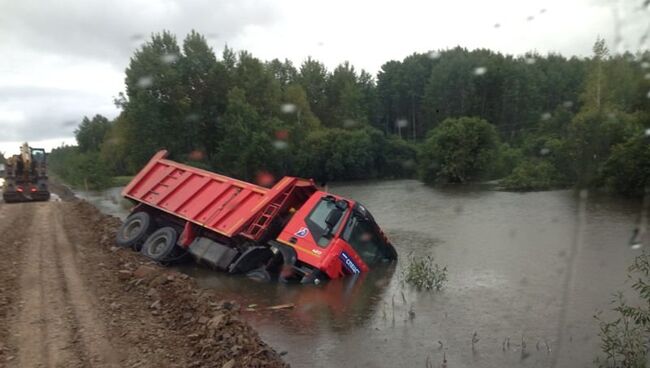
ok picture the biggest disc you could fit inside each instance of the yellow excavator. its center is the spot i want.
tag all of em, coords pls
(25, 176)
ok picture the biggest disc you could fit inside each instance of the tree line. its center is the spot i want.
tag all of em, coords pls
(452, 115)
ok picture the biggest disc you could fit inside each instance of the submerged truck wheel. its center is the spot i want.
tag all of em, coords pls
(134, 230)
(160, 245)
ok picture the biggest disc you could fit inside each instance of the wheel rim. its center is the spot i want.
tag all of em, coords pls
(158, 245)
(132, 229)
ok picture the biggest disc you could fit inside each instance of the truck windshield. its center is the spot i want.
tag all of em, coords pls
(317, 225)
(363, 236)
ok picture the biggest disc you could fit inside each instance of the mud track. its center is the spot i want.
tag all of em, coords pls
(70, 298)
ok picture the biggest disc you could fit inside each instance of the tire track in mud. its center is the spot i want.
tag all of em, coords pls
(56, 324)
(12, 218)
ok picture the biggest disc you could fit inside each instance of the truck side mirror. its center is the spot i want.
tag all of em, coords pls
(333, 217)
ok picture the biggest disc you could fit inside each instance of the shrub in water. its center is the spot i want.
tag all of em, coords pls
(423, 273)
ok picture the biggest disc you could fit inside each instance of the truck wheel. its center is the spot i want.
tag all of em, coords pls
(259, 274)
(160, 245)
(134, 230)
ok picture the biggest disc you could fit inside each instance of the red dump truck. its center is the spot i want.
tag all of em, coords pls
(292, 231)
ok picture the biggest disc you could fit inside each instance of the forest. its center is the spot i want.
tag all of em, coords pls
(531, 121)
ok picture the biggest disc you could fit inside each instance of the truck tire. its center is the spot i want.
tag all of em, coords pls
(259, 274)
(160, 245)
(135, 230)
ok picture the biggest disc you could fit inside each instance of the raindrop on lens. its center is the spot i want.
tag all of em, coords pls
(433, 54)
(288, 108)
(647, 132)
(349, 123)
(567, 104)
(145, 82)
(530, 60)
(401, 123)
(546, 116)
(280, 145)
(169, 58)
(645, 65)
(480, 70)
(544, 151)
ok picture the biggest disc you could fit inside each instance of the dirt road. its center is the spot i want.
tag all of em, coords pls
(70, 298)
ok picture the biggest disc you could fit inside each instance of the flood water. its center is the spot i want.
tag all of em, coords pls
(508, 255)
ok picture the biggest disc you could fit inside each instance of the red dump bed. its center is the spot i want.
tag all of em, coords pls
(219, 203)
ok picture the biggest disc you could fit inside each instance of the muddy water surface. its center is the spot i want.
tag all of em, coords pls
(508, 255)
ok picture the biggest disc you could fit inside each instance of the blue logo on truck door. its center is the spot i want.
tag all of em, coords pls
(302, 232)
(349, 263)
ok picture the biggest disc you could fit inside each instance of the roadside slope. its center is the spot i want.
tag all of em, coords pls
(69, 297)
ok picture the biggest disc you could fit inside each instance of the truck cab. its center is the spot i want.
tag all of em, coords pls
(335, 236)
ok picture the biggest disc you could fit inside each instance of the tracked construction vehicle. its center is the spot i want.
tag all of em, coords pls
(290, 232)
(25, 176)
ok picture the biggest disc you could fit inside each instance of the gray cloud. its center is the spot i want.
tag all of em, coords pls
(111, 30)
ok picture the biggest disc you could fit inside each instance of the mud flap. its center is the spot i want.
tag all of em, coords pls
(212, 253)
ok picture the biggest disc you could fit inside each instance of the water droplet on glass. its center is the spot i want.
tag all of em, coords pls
(288, 108)
(530, 18)
(567, 104)
(264, 178)
(648, 95)
(145, 81)
(433, 54)
(280, 145)
(169, 58)
(645, 65)
(542, 11)
(546, 116)
(584, 193)
(480, 70)
(349, 123)
(321, 43)
(192, 118)
(647, 132)
(136, 37)
(497, 25)
(401, 123)
(196, 155)
(636, 246)
(282, 134)
(530, 60)
(544, 151)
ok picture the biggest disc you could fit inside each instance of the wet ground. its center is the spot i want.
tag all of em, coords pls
(508, 256)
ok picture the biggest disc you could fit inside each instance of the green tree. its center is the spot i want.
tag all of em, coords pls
(627, 170)
(91, 133)
(459, 150)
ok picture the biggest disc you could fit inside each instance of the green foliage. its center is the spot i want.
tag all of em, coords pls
(81, 169)
(459, 150)
(624, 340)
(627, 170)
(532, 175)
(560, 119)
(424, 273)
(91, 133)
(339, 154)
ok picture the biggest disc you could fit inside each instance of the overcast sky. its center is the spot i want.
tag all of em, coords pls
(65, 59)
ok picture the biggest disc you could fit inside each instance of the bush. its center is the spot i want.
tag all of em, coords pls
(532, 175)
(423, 273)
(399, 159)
(627, 170)
(459, 150)
(86, 170)
(624, 340)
